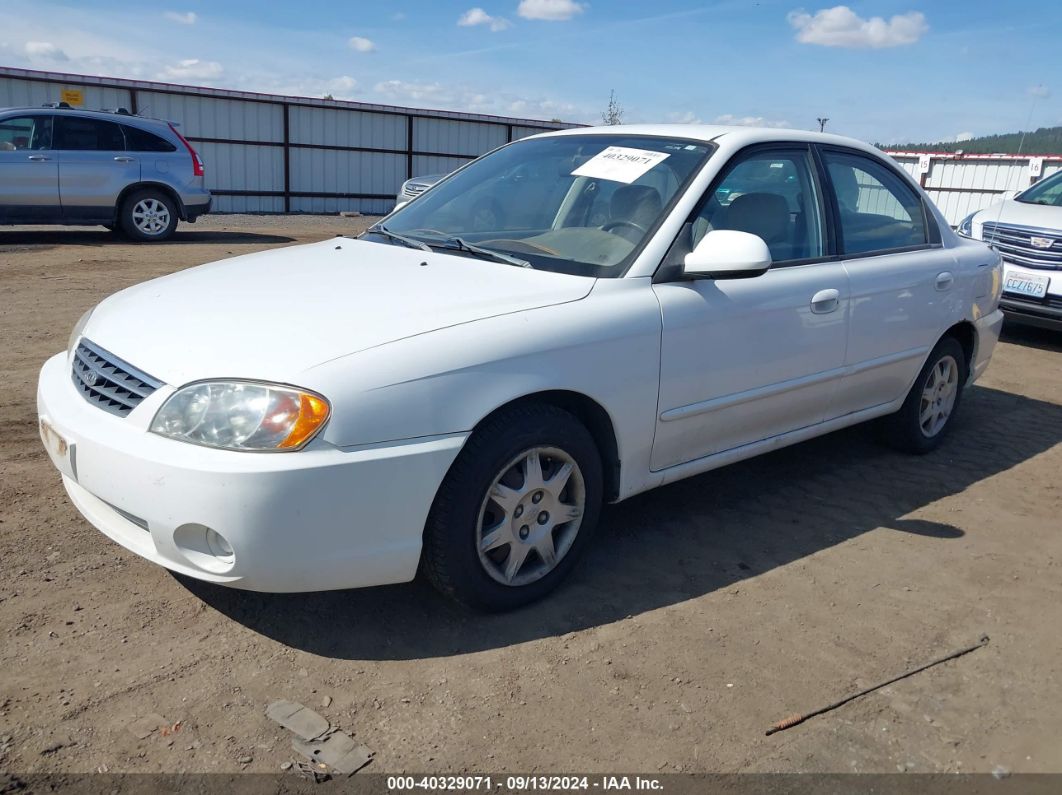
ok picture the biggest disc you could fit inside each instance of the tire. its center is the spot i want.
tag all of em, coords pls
(465, 510)
(929, 410)
(148, 216)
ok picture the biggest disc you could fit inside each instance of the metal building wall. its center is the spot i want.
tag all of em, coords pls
(963, 184)
(268, 153)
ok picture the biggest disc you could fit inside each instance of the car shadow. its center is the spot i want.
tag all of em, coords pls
(101, 237)
(681, 541)
(1031, 336)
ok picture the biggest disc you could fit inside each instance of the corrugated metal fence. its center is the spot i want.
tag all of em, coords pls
(963, 184)
(269, 153)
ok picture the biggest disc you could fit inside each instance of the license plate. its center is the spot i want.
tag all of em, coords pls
(59, 449)
(1028, 284)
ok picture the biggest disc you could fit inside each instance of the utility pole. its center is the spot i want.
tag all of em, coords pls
(822, 123)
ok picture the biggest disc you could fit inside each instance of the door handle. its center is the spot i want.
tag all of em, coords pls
(123, 159)
(38, 158)
(944, 280)
(825, 301)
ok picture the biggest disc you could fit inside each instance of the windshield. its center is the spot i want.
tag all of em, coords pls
(1048, 191)
(580, 204)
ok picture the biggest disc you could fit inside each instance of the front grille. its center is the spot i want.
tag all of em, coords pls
(416, 189)
(104, 379)
(1014, 244)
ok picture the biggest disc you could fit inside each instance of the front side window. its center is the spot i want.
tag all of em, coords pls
(26, 132)
(877, 209)
(770, 194)
(581, 204)
(1048, 192)
(88, 135)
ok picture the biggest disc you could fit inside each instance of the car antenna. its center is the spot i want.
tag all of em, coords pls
(1021, 145)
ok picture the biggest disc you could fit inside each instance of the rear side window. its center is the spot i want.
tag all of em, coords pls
(137, 140)
(93, 135)
(878, 210)
(26, 132)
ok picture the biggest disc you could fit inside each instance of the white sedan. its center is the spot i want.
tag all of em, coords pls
(439, 396)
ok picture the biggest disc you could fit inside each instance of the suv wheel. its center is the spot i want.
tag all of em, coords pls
(148, 215)
(516, 510)
(930, 408)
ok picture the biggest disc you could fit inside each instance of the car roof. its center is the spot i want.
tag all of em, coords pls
(116, 115)
(733, 135)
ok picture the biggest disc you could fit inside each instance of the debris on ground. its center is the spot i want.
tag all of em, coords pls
(315, 772)
(316, 739)
(795, 720)
(298, 719)
(338, 750)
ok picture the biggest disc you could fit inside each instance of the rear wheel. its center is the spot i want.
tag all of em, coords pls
(929, 410)
(148, 215)
(516, 510)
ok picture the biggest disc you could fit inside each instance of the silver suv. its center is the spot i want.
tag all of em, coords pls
(59, 165)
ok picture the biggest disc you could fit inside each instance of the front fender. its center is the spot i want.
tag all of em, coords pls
(605, 346)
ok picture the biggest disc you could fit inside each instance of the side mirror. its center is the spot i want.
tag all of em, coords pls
(727, 254)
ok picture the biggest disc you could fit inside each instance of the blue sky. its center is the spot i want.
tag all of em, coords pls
(884, 70)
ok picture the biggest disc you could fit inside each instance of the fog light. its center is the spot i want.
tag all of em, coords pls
(204, 547)
(219, 547)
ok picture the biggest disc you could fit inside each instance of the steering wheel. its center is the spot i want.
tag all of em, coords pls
(608, 227)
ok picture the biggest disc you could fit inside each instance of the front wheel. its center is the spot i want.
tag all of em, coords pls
(516, 510)
(930, 408)
(148, 216)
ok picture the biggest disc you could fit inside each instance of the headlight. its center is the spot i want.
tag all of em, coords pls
(965, 227)
(75, 335)
(242, 415)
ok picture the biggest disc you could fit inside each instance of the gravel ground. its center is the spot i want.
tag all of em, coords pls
(709, 609)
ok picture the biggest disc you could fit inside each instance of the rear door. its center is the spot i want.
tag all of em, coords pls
(94, 167)
(29, 170)
(901, 278)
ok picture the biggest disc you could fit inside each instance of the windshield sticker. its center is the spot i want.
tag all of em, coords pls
(620, 164)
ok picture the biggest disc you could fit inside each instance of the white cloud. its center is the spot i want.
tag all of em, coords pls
(460, 97)
(44, 50)
(477, 16)
(187, 18)
(688, 117)
(964, 136)
(361, 44)
(342, 85)
(1040, 92)
(840, 26)
(550, 10)
(748, 121)
(193, 69)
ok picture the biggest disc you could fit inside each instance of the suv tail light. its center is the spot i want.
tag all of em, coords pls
(197, 164)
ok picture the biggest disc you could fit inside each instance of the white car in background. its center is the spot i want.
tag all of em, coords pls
(441, 397)
(1027, 232)
(412, 188)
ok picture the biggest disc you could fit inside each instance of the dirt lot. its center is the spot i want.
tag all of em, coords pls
(710, 609)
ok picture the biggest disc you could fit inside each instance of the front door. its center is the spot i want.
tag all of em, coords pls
(747, 359)
(94, 167)
(29, 170)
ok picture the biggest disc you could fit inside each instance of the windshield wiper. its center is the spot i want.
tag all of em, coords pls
(463, 245)
(380, 229)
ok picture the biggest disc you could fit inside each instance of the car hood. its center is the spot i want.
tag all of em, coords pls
(1022, 214)
(274, 314)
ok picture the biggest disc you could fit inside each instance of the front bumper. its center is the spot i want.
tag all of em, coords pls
(1045, 313)
(319, 519)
